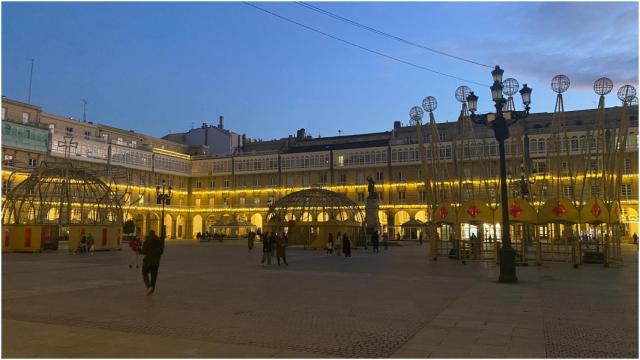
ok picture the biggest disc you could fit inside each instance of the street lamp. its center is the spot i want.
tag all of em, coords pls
(163, 196)
(500, 122)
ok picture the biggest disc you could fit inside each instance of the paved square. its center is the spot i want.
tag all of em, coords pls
(216, 300)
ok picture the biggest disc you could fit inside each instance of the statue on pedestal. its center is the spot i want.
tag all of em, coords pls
(372, 188)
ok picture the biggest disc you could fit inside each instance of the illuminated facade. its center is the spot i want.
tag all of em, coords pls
(207, 188)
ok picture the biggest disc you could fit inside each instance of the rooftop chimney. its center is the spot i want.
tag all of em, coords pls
(221, 123)
(396, 125)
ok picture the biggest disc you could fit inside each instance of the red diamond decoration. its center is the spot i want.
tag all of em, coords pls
(473, 211)
(515, 210)
(559, 209)
(443, 212)
(596, 210)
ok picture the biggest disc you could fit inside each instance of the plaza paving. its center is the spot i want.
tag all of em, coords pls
(216, 300)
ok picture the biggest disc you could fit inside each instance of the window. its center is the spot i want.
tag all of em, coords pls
(341, 160)
(134, 143)
(33, 162)
(402, 195)
(360, 178)
(422, 195)
(87, 134)
(323, 179)
(574, 143)
(256, 182)
(626, 191)
(380, 195)
(539, 166)
(379, 176)
(8, 160)
(69, 131)
(565, 168)
(198, 184)
(4, 113)
(305, 180)
(567, 191)
(400, 176)
(360, 196)
(290, 181)
(242, 201)
(25, 117)
(212, 184)
(198, 202)
(6, 186)
(52, 128)
(272, 181)
(343, 179)
(443, 136)
(227, 183)
(119, 141)
(211, 201)
(595, 190)
(594, 165)
(627, 166)
(256, 201)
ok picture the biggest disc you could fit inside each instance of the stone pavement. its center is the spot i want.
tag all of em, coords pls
(216, 300)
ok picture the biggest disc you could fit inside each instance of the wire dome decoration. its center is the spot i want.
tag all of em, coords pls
(415, 114)
(560, 83)
(633, 101)
(429, 103)
(603, 86)
(59, 193)
(626, 93)
(462, 92)
(315, 205)
(510, 86)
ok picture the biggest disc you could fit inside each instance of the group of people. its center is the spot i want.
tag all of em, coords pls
(86, 244)
(270, 242)
(341, 243)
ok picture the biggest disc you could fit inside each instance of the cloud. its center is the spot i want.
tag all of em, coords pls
(584, 41)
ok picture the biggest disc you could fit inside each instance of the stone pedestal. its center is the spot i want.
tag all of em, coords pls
(371, 219)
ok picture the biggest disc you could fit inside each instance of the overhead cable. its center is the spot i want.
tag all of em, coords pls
(362, 47)
(382, 33)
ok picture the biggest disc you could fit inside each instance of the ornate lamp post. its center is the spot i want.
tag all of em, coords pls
(500, 122)
(163, 196)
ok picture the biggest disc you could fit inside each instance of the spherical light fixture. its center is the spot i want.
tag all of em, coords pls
(415, 114)
(603, 86)
(429, 104)
(510, 86)
(626, 93)
(462, 92)
(560, 83)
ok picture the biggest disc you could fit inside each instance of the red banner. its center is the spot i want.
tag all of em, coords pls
(104, 236)
(7, 234)
(27, 237)
(47, 235)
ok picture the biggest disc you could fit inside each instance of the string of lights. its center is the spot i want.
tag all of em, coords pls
(362, 47)
(387, 35)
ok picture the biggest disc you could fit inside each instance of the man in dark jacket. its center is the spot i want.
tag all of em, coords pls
(375, 241)
(152, 249)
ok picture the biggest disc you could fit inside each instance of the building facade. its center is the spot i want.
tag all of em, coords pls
(462, 158)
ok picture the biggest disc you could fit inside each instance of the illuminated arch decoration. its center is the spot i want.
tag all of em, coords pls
(520, 211)
(474, 211)
(595, 212)
(559, 210)
(445, 213)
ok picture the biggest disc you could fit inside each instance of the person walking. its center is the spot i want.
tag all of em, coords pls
(338, 244)
(375, 241)
(82, 247)
(329, 244)
(420, 237)
(134, 245)
(385, 241)
(251, 238)
(635, 238)
(152, 249)
(266, 248)
(281, 249)
(346, 245)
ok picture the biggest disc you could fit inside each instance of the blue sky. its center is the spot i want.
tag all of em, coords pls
(159, 67)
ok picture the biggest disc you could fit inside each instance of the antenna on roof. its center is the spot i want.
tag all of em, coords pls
(84, 110)
(30, 82)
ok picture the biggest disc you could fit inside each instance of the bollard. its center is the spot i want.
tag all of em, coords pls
(434, 248)
(579, 253)
(496, 252)
(539, 253)
(573, 255)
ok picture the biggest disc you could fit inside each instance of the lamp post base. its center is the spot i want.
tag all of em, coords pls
(508, 265)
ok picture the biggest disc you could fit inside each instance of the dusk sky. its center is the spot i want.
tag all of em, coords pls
(159, 67)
